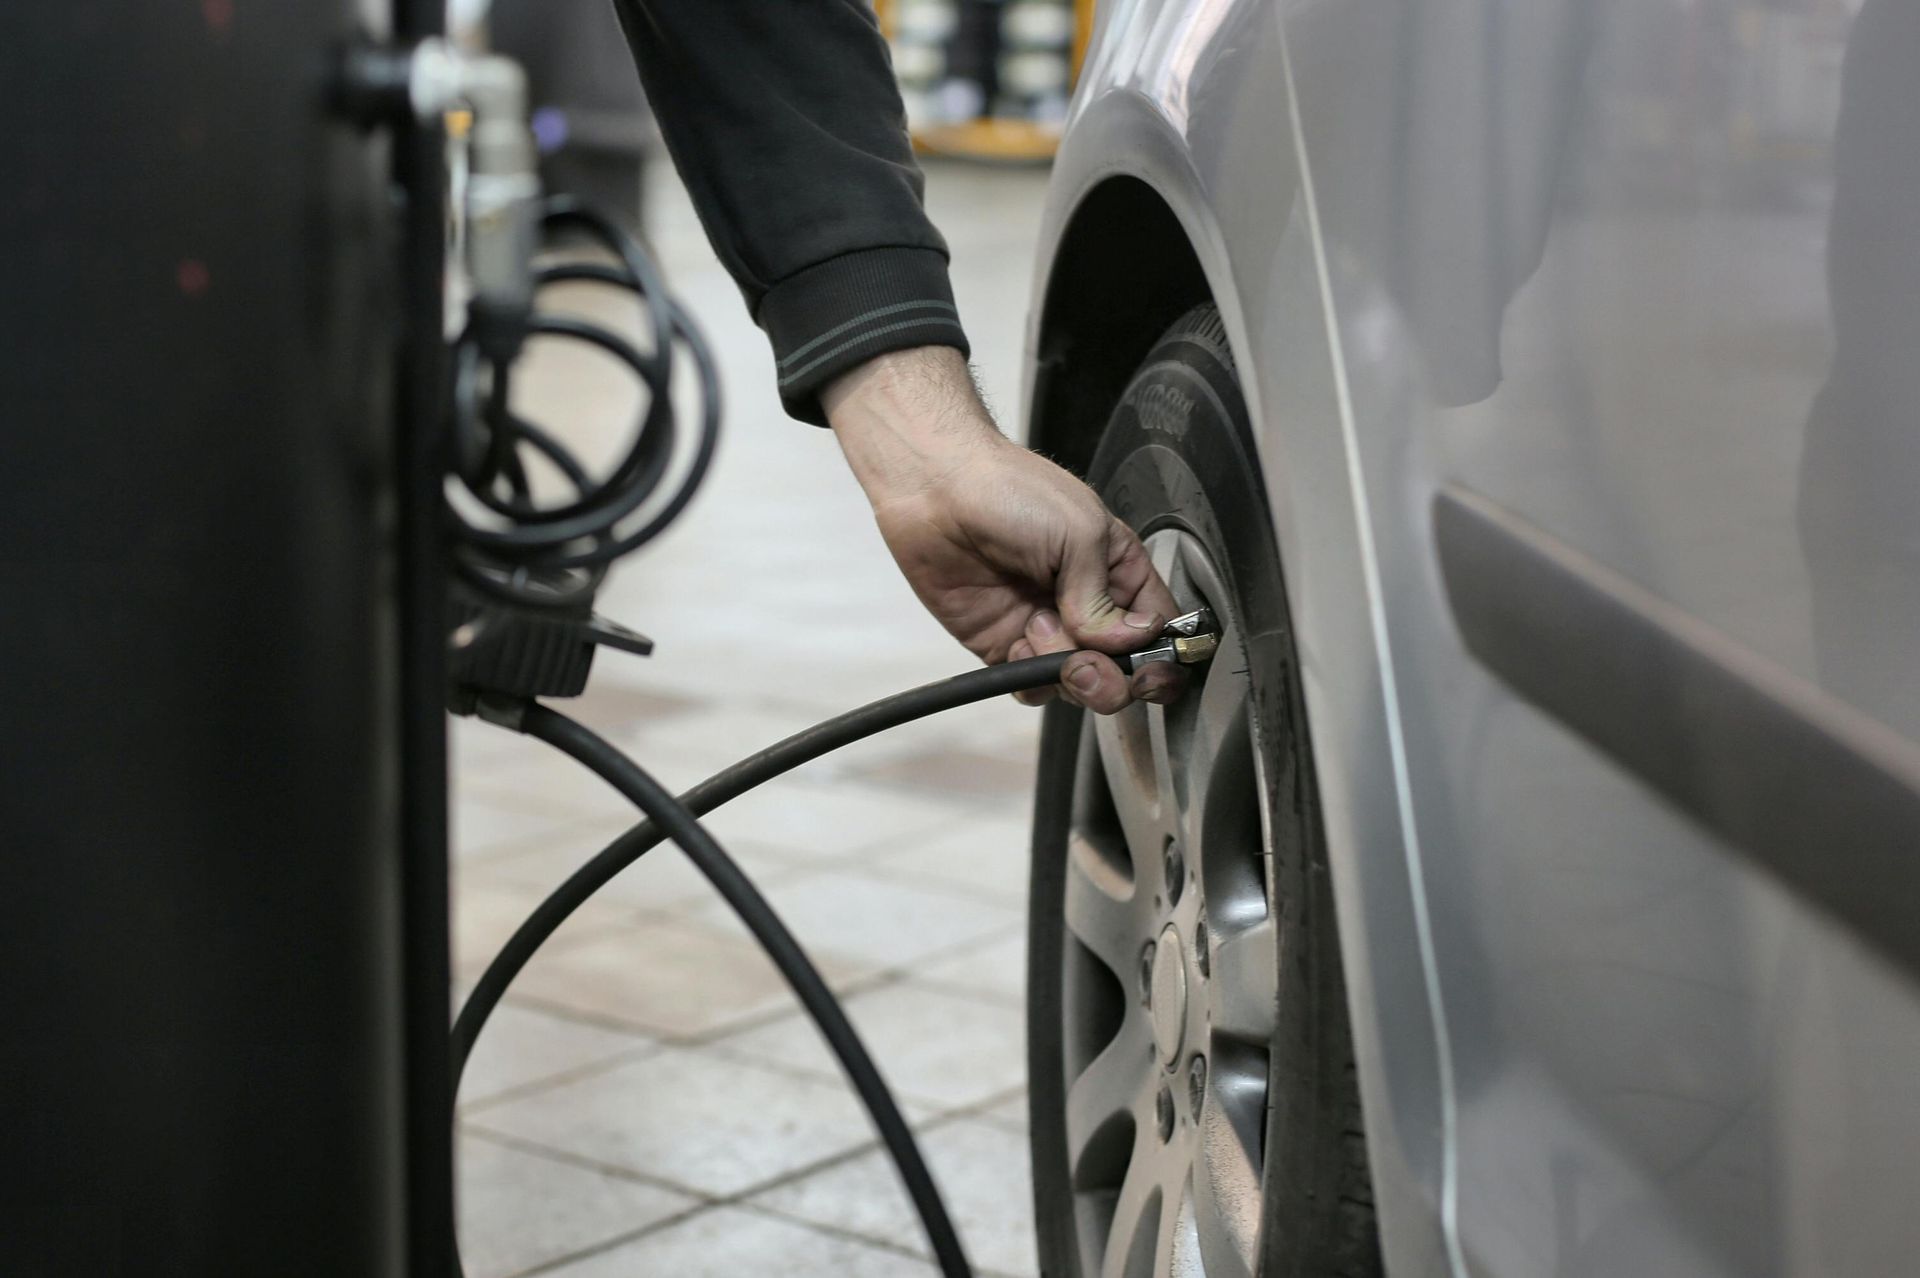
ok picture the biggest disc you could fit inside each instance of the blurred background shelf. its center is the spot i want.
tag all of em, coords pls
(987, 79)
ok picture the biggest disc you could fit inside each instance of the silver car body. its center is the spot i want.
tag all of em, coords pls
(1635, 285)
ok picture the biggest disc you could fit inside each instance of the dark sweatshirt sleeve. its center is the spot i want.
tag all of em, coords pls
(786, 125)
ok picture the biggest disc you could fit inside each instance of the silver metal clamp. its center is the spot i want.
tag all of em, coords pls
(1187, 640)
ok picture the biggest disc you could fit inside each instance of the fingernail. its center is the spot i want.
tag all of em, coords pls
(1140, 620)
(1045, 624)
(1084, 677)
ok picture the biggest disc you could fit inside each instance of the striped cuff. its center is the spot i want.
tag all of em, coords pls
(829, 318)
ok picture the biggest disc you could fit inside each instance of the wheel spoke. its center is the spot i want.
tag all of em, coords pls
(1182, 1250)
(1127, 753)
(1243, 990)
(1226, 1199)
(1220, 749)
(1100, 909)
(1134, 1236)
(1160, 752)
(1107, 1092)
(1171, 561)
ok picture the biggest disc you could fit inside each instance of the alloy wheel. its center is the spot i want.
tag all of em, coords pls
(1170, 970)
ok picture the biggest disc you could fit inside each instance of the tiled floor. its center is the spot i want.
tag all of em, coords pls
(649, 1101)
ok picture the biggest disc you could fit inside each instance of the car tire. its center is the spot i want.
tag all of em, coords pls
(1238, 967)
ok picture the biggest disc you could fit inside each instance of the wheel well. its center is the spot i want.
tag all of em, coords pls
(1124, 271)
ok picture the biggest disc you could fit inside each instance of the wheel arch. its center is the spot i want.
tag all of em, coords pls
(1121, 271)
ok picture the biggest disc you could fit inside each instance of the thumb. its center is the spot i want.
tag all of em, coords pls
(1092, 594)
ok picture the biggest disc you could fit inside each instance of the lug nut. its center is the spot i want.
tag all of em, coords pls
(1196, 1084)
(1201, 959)
(1163, 1110)
(1176, 873)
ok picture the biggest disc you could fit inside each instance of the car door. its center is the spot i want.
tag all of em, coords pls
(1629, 303)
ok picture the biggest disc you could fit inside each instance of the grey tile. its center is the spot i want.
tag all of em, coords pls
(976, 771)
(983, 1174)
(828, 820)
(844, 915)
(710, 1123)
(553, 783)
(483, 825)
(810, 813)
(726, 1242)
(1010, 1114)
(667, 977)
(521, 1046)
(996, 970)
(663, 879)
(940, 1048)
(518, 1210)
(486, 911)
(989, 855)
(618, 707)
(737, 722)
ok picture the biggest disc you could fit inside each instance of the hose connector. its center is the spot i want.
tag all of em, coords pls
(501, 192)
(1188, 640)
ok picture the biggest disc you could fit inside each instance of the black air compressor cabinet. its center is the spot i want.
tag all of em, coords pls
(209, 847)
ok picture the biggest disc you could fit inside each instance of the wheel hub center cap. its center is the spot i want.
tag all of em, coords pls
(1169, 995)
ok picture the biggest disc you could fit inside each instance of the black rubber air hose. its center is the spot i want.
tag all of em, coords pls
(731, 783)
(673, 817)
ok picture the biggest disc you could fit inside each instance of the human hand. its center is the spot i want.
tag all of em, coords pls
(1013, 555)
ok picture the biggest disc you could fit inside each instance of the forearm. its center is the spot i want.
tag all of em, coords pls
(909, 420)
(784, 119)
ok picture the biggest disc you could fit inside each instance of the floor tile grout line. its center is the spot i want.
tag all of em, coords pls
(846, 987)
(674, 909)
(901, 968)
(720, 1043)
(972, 1112)
(856, 987)
(859, 857)
(558, 1079)
(936, 1108)
(583, 1016)
(469, 974)
(972, 891)
(1016, 1002)
(825, 780)
(709, 1197)
(714, 1044)
(554, 1154)
(867, 983)
(875, 1241)
(614, 1243)
(848, 1234)
(705, 1200)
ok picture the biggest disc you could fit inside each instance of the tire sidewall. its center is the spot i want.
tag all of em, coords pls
(1178, 453)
